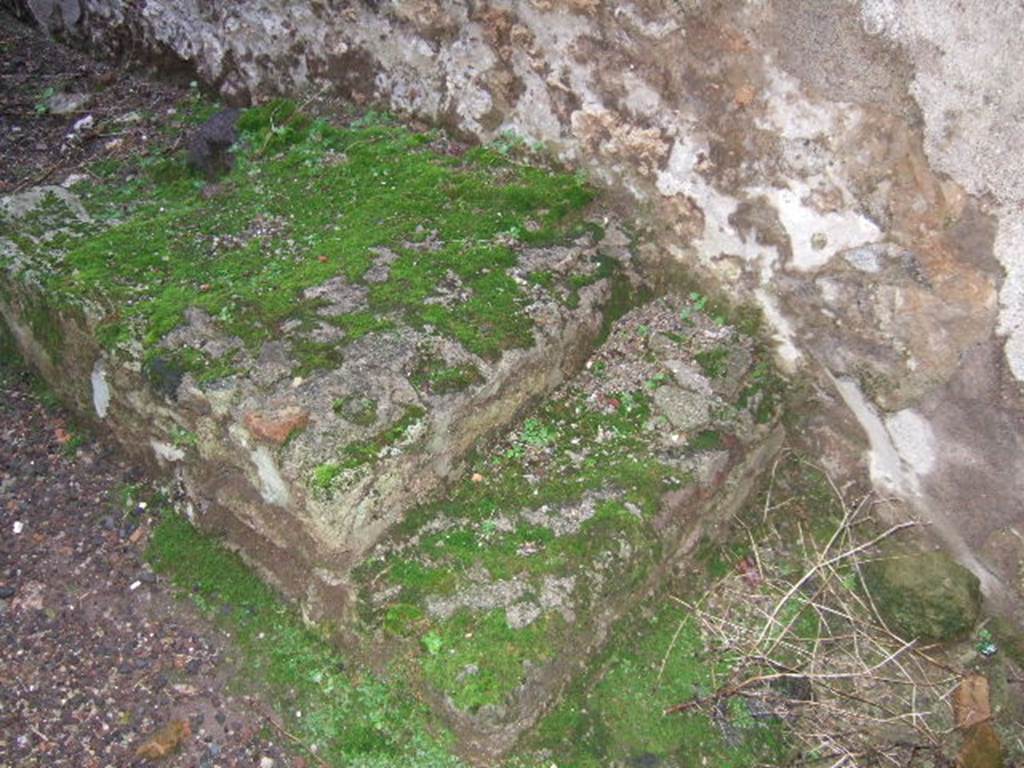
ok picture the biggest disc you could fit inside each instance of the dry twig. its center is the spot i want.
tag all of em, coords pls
(871, 696)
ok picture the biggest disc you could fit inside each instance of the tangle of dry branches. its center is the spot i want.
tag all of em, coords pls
(810, 648)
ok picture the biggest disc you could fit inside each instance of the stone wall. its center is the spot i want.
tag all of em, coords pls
(852, 166)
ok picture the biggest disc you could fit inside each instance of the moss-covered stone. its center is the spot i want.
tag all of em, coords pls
(615, 714)
(358, 272)
(498, 592)
(306, 203)
(925, 595)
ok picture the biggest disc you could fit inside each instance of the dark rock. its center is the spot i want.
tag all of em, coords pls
(6, 593)
(164, 375)
(209, 147)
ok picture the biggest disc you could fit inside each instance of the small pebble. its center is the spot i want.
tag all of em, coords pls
(6, 593)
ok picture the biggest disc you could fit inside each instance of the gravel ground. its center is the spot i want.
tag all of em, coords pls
(115, 110)
(96, 653)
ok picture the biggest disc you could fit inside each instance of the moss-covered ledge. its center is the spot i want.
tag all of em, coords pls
(314, 343)
(498, 595)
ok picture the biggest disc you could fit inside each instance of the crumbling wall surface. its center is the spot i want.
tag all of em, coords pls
(852, 166)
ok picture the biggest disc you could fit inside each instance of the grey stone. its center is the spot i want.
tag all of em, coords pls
(686, 410)
(926, 596)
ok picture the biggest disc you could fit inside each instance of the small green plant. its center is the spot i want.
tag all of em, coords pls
(714, 362)
(324, 475)
(538, 434)
(698, 302)
(42, 105)
(658, 380)
(508, 143)
(76, 439)
(985, 645)
(433, 643)
(183, 438)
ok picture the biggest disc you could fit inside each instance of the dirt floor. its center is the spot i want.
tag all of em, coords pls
(59, 109)
(96, 653)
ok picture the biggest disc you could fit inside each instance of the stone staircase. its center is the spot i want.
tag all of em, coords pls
(417, 388)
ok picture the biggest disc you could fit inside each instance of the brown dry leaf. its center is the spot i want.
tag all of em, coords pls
(981, 749)
(165, 741)
(971, 701)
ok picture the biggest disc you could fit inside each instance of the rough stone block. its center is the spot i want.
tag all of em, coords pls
(501, 592)
(318, 347)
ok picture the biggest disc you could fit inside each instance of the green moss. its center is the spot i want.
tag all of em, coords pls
(324, 475)
(479, 529)
(536, 433)
(315, 356)
(615, 716)
(766, 392)
(44, 322)
(432, 375)
(479, 659)
(714, 362)
(354, 717)
(361, 452)
(925, 595)
(364, 451)
(307, 202)
(358, 410)
(183, 438)
(708, 440)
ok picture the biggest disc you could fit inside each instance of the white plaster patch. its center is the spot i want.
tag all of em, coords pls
(641, 99)
(783, 333)
(166, 451)
(913, 439)
(878, 16)
(100, 389)
(681, 177)
(534, 113)
(816, 237)
(653, 29)
(791, 114)
(888, 471)
(719, 238)
(273, 488)
(1010, 240)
